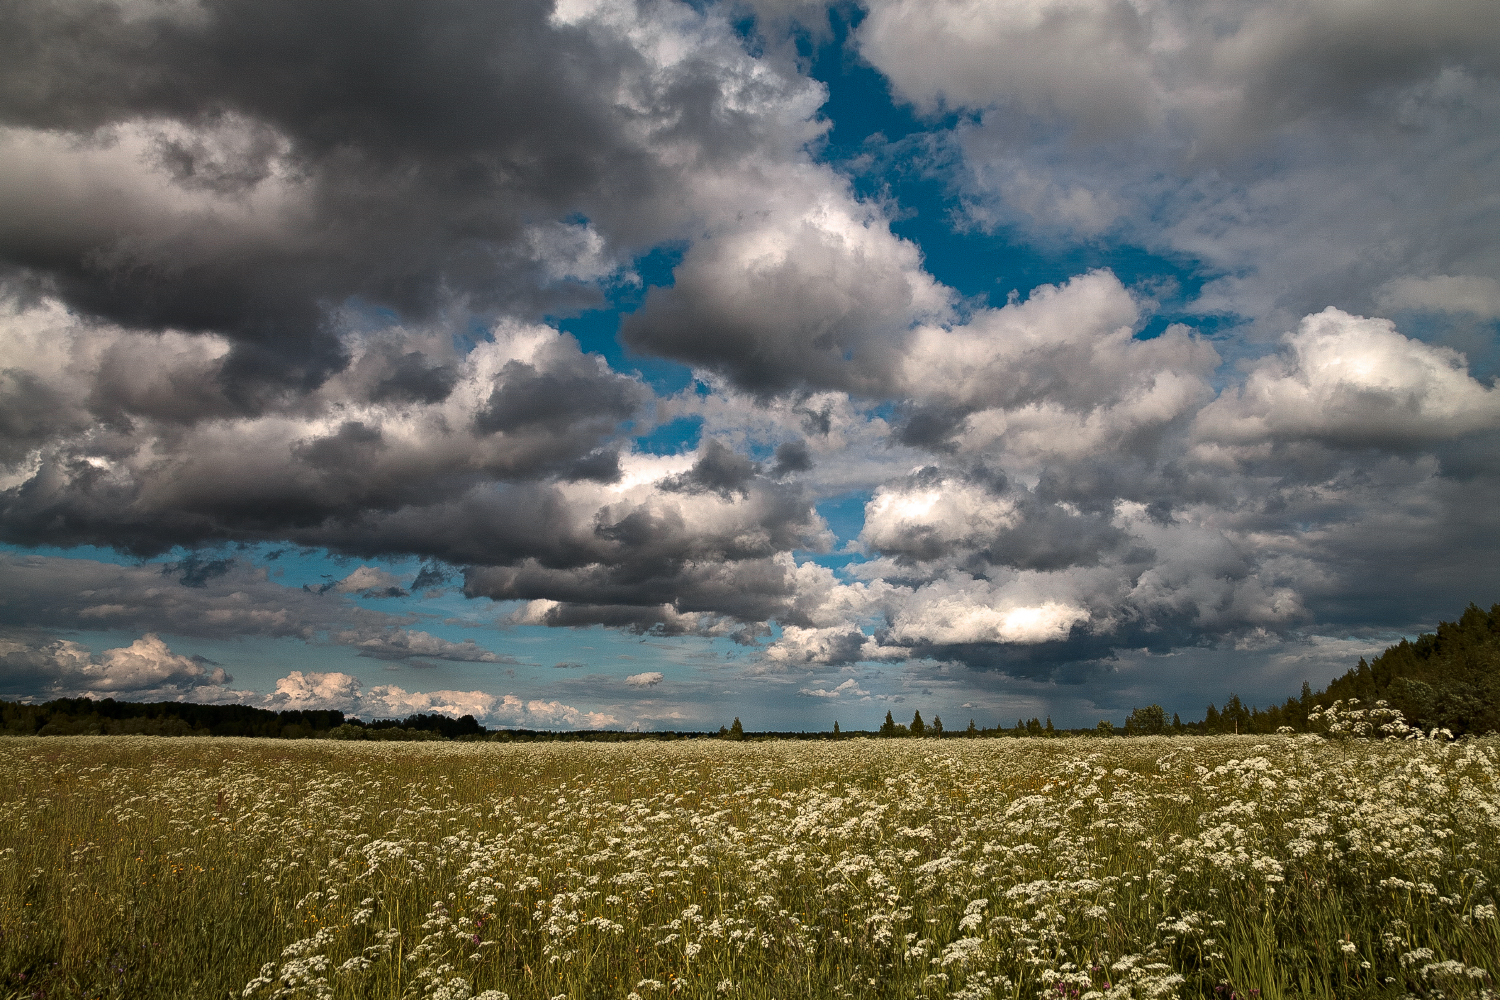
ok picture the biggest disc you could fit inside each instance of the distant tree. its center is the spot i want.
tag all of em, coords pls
(973, 730)
(1211, 721)
(1105, 728)
(1176, 723)
(1021, 729)
(1234, 716)
(937, 725)
(1050, 730)
(1034, 727)
(835, 727)
(917, 726)
(1148, 721)
(736, 731)
(888, 727)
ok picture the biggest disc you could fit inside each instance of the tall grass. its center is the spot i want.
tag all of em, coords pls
(135, 867)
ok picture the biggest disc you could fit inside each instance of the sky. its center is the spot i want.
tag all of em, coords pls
(644, 365)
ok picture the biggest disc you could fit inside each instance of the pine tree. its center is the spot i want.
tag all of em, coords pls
(1034, 727)
(937, 725)
(736, 731)
(835, 727)
(1050, 730)
(917, 726)
(888, 728)
(973, 730)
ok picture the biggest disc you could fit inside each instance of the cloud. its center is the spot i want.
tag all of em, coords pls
(367, 581)
(299, 276)
(830, 645)
(64, 593)
(145, 669)
(947, 615)
(1058, 375)
(810, 289)
(1353, 382)
(1240, 137)
(525, 406)
(649, 678)
(848, 687)
(346, 693)
(235, 601)
(405, 644)
(1466, 293)
(249, 207)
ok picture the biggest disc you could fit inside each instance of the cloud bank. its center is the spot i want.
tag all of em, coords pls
(307, 277)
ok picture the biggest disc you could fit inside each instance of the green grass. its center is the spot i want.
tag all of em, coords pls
(135, 867)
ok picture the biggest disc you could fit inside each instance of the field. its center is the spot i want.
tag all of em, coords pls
(136, 867)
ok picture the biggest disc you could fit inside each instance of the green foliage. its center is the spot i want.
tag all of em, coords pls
(1148, 721)
(918, 728)
(1448, 679)
(86, 717)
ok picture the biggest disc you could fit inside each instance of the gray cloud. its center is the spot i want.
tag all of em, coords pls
(146, 668)
(273, 274)
(1240, 136)
(149, 484)
(233, 600)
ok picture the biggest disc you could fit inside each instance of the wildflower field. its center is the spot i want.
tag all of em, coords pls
(140, 867)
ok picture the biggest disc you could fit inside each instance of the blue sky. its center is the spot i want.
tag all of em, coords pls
(647, 365)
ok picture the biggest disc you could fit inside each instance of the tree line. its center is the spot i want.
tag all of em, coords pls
(1447, 679)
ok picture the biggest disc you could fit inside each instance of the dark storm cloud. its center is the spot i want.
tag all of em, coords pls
(525, 399)
(831, 313)
(721, 470)
(196, 571)
(399, 644)
(31, 413)
(791, 456)
(429, 576)
(165, 485)
(214, 599)
(67, 594)
(411, 378)
(414, 143)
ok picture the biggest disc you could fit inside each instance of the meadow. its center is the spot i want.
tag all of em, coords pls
(1265, 867)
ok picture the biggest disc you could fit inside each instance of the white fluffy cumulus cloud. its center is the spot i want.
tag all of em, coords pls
(959, 612)
(1354, 382)
(925, 520)
(347, 693)
(146, 668)
(1061, 374)
(645, 679)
